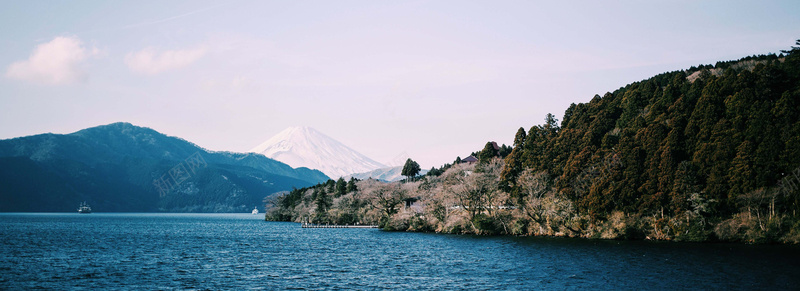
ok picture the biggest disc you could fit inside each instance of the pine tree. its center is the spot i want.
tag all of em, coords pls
(742, 176)
(504, 151)
(513, 165)
(410, 169)
(341, 187)
(331, 184)
(351, 185)
(551, 123)
(487, 153)
(323, 203)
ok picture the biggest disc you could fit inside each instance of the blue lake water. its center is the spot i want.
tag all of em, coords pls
(241, 251)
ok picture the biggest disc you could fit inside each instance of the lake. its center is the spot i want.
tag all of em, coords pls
(242, 251)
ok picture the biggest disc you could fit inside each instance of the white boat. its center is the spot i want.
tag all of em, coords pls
(84, 208)
(255, 210)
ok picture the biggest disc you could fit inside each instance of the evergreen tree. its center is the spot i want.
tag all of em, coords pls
(742, 176)
(341, 187)
(487, 153)
(315, 194)
(351, 185)
(410, 169)
(323, 203)
(513, 165)
(551, 123)
(504, 151)
(331, 186)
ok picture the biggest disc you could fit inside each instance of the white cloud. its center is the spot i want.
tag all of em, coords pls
(149, 61)
(56, 62)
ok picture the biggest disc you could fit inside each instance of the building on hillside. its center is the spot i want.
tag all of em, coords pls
(470, 160)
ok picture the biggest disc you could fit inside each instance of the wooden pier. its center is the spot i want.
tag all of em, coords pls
(311, 225)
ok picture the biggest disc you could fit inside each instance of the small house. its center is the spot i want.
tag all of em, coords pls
(470, 160)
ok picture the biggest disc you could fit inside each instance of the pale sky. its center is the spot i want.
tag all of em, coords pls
(430, 80)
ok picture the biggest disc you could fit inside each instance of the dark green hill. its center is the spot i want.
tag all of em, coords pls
(701, 150)
(113, 167)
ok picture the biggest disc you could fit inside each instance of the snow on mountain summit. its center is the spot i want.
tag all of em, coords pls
(307, 147)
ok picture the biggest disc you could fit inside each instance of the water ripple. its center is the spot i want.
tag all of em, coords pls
(213, 251)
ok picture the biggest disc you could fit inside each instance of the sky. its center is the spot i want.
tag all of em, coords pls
(429, 80)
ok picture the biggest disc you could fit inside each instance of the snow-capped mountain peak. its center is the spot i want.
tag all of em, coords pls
(306, 147)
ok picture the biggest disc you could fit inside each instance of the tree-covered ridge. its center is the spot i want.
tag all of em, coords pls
(314, 204)
(121, 167)
(715, 145)
(710, 153)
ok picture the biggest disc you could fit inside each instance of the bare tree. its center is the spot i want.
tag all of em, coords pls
(533, 187)
(543, 205)
(470, 194)
(387, 197)
(475, 191)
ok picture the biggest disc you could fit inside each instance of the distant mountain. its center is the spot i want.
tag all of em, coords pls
(307, 147)
(122, 167)
(390, 174)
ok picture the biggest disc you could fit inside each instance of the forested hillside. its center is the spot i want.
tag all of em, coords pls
(708, 153)
(701, 145)
(123, 167)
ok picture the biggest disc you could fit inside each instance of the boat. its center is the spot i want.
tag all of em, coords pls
(84, 208)
(255, 210)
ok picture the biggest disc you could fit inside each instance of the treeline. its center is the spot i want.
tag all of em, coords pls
(311, 204)
(488, 152)
(710, 153)
(701, 150)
